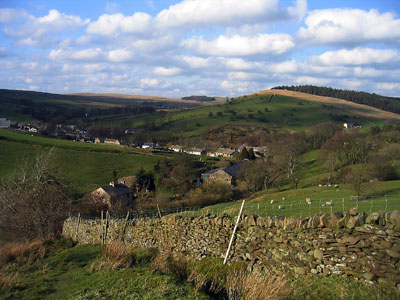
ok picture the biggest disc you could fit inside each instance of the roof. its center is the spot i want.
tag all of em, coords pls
(212, 171)
(231, 170)
(116, 190)
(225, 151)
(235, 169)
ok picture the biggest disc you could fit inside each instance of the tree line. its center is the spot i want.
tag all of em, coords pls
(391, 104)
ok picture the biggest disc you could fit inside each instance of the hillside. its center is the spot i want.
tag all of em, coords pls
(28, 105)
(348, 106)
(391, 104)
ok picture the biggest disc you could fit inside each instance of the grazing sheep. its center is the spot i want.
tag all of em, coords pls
(272, 201)
(336, 186)
(308, 200)
(281, 207)
(283, 198)
(320, 185)
(329, 203)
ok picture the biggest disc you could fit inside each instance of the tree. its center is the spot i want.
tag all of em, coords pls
(252, 156)
(355, 177)
(244, 154)
(35, 202)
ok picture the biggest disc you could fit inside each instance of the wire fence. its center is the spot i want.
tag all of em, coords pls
(285, 207)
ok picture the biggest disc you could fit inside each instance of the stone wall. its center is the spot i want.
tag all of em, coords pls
(355, 244)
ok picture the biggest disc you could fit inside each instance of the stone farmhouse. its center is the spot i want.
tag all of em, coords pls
(223, 175)
(225, 153)
(113, 194)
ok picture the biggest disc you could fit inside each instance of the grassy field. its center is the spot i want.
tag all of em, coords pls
(84, 165)
(282, 112)
(59, 270)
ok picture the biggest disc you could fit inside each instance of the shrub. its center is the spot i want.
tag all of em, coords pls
(22, 252)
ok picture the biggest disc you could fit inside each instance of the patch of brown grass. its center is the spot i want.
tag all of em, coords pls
(168, 263)
(241, 285)
(22, 251)
(7, 281)
(117, 256)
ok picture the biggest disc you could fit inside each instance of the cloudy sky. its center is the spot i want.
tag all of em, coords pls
(199, 47)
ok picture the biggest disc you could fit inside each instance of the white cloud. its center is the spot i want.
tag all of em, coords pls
(120, 55)
(40, 32)
(196, 62)
(114, 24)
(356, 56)
(349, 26)
(239, 64)
(271, 44)
(149, 82)
(167, 71)
(312, 80)
(112, 7)
(85, 55)
(206, 13)
(388, 85)
(8, 15)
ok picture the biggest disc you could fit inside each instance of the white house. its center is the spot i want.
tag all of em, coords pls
(4, 123)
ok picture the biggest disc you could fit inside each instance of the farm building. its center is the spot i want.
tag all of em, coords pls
(225, 153)
(4, 123)
(223, 175)
(113, 194)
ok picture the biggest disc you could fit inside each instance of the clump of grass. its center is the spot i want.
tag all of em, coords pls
(8, 280)
(22, 251)
(167, 262)
(115, 256)
(242, 285)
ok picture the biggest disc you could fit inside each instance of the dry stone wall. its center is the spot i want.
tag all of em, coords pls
(366, 247)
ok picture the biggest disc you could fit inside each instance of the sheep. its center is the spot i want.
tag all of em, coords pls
(272, 201)
(308, 200)
(283, 198)
(281, 207)
(329, 203)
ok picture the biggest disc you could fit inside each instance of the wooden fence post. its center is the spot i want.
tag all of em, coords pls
(106, 229)
(233, 233)
(124, 228)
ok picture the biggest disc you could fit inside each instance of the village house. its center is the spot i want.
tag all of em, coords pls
(230, 153)
(111, 141)
(176, 148)
(4, 123)
(195, 151)
(113, 194)
(223, 175)
(150, 145)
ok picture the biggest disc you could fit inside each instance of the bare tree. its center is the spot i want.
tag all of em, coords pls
(34, 202)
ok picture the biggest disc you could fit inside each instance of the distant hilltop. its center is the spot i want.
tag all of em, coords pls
(199, 98)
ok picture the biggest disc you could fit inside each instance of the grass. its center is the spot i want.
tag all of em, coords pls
(72, 272)
(84, 165)
(284, 112)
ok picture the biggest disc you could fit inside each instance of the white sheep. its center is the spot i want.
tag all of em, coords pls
(329, 203)
(272, 201)
(308, 200)
(281, 207)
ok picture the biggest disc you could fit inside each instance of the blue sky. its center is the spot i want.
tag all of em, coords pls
(191, 47)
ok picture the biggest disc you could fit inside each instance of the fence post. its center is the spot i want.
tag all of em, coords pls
(159, 212)
(102, 228)
(77, 226)
(234, 231)
(291, 204)
(386, 203)
(124, 228)
(343, 204)
(370, 208)
(331, 206)
(320, 206)
(106, 229)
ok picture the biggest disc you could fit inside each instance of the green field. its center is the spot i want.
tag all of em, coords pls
(57, 269)
(283, 113)
(84, 165)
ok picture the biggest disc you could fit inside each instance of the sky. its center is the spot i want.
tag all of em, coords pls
(177, 48)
